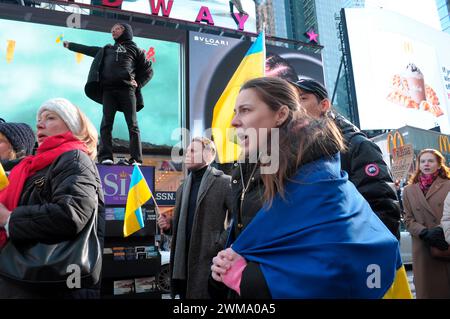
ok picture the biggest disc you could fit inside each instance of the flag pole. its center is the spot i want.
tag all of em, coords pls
(157, 232)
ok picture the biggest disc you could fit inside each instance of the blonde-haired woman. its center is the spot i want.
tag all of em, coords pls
(423, 201)
(52, 196)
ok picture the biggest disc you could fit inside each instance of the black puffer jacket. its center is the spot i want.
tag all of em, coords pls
(73, 186)
(363, 161)
(56, 204)
(131, 64)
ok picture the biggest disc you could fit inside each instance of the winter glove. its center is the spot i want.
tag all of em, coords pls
(434, 237)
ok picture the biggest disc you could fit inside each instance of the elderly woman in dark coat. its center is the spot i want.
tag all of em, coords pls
(52, 197)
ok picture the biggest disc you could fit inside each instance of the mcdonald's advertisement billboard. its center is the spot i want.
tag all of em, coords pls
(401, 70)
(394, 145)
(394, 138)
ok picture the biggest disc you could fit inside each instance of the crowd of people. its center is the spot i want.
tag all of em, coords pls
(324, 225)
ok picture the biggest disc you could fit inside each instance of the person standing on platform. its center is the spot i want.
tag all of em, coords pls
(117, 75)
(198, 223)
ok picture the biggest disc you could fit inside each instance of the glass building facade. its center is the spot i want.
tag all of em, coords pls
(443, 7)
(323, 17)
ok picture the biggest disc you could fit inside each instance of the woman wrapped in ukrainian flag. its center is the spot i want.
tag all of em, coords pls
(315, 235)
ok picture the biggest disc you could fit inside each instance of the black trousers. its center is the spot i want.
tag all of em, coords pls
(122, 100)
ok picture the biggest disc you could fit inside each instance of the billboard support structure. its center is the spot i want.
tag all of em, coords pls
(337, 80)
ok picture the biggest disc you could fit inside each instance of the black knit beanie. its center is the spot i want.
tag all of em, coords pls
(20, 135)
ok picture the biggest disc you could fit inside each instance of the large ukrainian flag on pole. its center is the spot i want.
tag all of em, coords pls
(252, 66)
(138, 194)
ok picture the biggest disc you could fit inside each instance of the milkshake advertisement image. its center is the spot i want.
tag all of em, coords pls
(398, 73)
(416, 84)
(410, 90)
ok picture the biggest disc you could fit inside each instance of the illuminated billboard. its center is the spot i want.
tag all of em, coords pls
(235, 14)
(401, 70)
(213, 61)
(35, 67)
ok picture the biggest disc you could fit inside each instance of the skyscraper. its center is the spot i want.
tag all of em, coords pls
(322, 16)
(265, 17)
(326, 10)
(443, 8)
(295, 19)
(279, 14)
(353, 3)
(271, 15)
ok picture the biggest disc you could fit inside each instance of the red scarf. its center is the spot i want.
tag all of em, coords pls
(425, 181)
(47, 152)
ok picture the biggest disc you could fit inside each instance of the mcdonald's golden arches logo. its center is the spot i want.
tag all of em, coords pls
(394, 138)
(444, 145)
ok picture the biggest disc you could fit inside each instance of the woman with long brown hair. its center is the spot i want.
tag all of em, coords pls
(306, 232)
(423, 201)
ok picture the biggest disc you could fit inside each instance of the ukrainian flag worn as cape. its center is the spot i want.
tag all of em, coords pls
(324, 241)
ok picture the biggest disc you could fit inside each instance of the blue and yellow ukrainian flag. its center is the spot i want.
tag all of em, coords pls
(3, 178)
(138, 194)
(400, 287)
(330, 245)
(59, 38)
(252, 66)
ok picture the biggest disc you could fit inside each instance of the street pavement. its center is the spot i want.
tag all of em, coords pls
(409, 272)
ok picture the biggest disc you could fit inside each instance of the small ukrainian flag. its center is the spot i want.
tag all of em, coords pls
(138, 194)
(59, 38)
(3, 178)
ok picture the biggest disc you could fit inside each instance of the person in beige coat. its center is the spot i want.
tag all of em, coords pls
(445, 221)
(423, 201)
